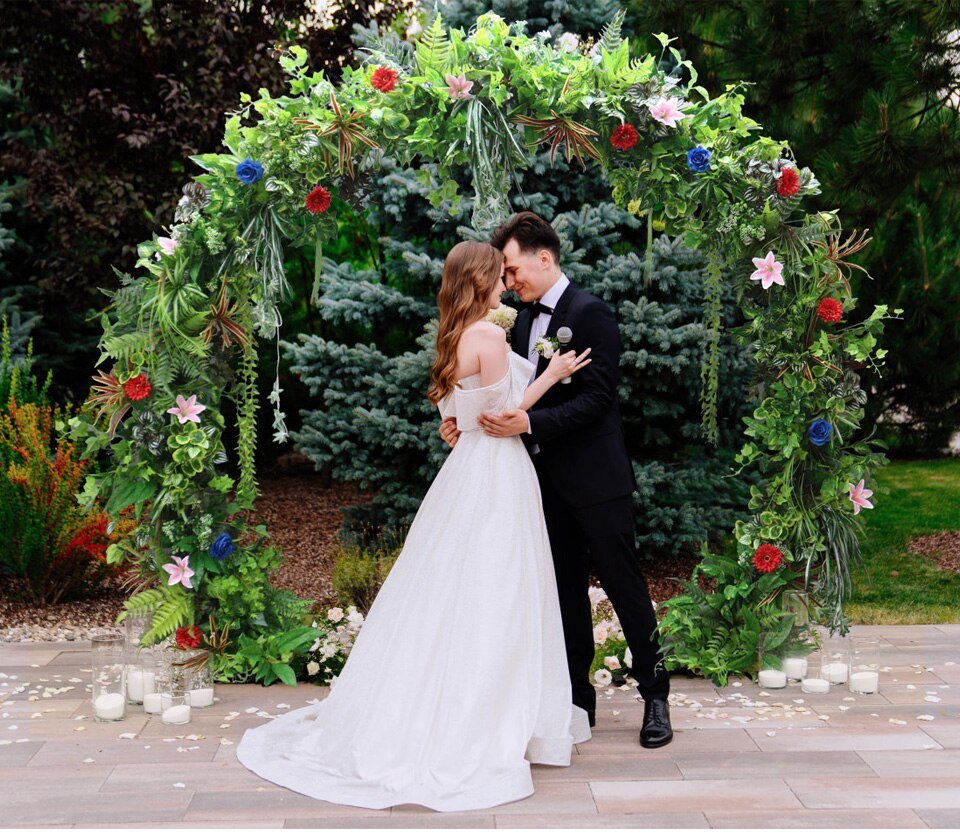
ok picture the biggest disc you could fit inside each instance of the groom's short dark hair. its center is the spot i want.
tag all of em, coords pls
(531, 232)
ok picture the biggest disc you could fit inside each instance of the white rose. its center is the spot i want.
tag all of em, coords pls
(602, 677)
(414, 28)
(329, 649)
(611, 662)
(313, 668)
(599, 634)
(334, 614)
(628, 658)
(596, 595)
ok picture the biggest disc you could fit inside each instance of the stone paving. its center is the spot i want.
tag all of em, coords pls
(741, 758)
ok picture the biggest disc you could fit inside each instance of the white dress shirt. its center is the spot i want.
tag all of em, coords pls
(539, 325)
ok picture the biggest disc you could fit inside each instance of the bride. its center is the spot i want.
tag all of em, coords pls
(458, 680)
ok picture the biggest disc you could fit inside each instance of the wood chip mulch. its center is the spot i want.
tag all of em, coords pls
(942, 549)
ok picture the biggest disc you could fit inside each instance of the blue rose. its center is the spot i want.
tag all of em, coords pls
(698, 159)
(222, 547)
(249, 171)
(820, 432)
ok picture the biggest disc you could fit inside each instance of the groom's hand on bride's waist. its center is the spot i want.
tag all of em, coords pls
(508, 424)
(448, 431)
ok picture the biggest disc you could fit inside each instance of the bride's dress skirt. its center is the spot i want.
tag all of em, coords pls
(458, 679)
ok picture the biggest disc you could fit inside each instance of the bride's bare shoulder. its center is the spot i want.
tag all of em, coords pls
(483, 334)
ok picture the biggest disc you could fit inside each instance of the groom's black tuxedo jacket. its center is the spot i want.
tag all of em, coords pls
(577, 426)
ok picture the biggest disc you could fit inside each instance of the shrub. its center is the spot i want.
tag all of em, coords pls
(52, 550)
(359, 573)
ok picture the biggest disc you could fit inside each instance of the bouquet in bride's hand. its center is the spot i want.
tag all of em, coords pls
(503, 316)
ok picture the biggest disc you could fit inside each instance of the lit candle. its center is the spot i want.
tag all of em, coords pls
(140, 683)
(811, 685)
(108, 707)
(772, 678)
(176, 714)
(201, 697)
(836, 672)
(795, 668)
(865, 682)
(152, 704)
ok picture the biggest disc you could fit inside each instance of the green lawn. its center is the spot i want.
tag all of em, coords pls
(911, 498)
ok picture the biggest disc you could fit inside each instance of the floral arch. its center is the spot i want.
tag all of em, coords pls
(181, 336)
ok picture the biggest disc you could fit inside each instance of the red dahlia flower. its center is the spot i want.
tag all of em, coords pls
(188, 637)
(767, 558)
(789, 182)
(624, 137)
(137, 388)
(830, 310)
(384, 79)
(318, 200)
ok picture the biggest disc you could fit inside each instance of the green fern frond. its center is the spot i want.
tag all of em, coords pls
(142, 604)
(612, 37)
(176, 611)
(433, 48)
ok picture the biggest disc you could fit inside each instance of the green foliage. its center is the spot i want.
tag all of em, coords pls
(717, 633)
(883, 127)
(358, 573)
(268, 657)
(16, 380)
(52, 550)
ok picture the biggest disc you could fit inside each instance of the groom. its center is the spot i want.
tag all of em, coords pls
(575, 438)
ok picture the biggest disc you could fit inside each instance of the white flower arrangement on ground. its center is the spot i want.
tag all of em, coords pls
(612, 659)
(330, 651)
(504, 317)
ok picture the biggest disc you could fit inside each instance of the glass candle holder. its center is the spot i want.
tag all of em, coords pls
(835, 659)
(865, 665)
(109, 676)
(143, 674)
(201, 687)
(175, 708)
(771, 673)
(812, 681)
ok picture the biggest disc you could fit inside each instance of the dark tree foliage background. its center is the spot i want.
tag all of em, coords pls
(868, 94)
(103, 103)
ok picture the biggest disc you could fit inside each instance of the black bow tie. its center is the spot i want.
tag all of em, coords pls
(536, 308)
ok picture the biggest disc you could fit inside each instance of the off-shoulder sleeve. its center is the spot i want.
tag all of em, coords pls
(470, 403)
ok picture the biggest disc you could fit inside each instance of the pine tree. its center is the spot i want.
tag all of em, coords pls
(369, 366)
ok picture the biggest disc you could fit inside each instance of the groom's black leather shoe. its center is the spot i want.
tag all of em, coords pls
(656, 730)
(592, 717)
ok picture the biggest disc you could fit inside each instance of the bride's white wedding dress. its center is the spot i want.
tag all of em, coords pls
(458, 679)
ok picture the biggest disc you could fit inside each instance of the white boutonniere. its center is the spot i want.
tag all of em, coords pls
(545, 346)
(504, 317)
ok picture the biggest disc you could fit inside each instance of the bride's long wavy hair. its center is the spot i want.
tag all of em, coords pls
(470, 273)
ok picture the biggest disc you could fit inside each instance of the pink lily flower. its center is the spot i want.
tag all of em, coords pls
(860, 496)
(187, 410)
(666, 111)
(459, 86)
(180, 572)
(167, 245)
(768, 272)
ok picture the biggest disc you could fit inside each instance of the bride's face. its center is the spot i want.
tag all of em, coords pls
(497, 292)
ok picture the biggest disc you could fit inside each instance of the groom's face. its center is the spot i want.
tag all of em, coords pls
(528, 273)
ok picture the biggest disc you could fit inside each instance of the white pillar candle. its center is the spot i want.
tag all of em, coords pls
(140, 683)
(176, 714)
(201, 697)
(772, 678)
(811, 685)
(865, 682)
(836, 672)
(108, 707)
(795, 667)
(152, 704)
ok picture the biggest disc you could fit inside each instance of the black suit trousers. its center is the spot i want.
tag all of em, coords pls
(602, 536)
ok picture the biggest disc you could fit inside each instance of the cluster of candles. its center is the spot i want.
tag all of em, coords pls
(117, 684)
(862, 677)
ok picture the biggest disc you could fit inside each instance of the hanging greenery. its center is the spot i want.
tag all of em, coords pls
(184, 333)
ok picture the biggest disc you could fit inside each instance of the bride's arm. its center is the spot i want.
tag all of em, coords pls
(561, 366)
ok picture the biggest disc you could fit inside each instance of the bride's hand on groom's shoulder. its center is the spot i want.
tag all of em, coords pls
(448, 431)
